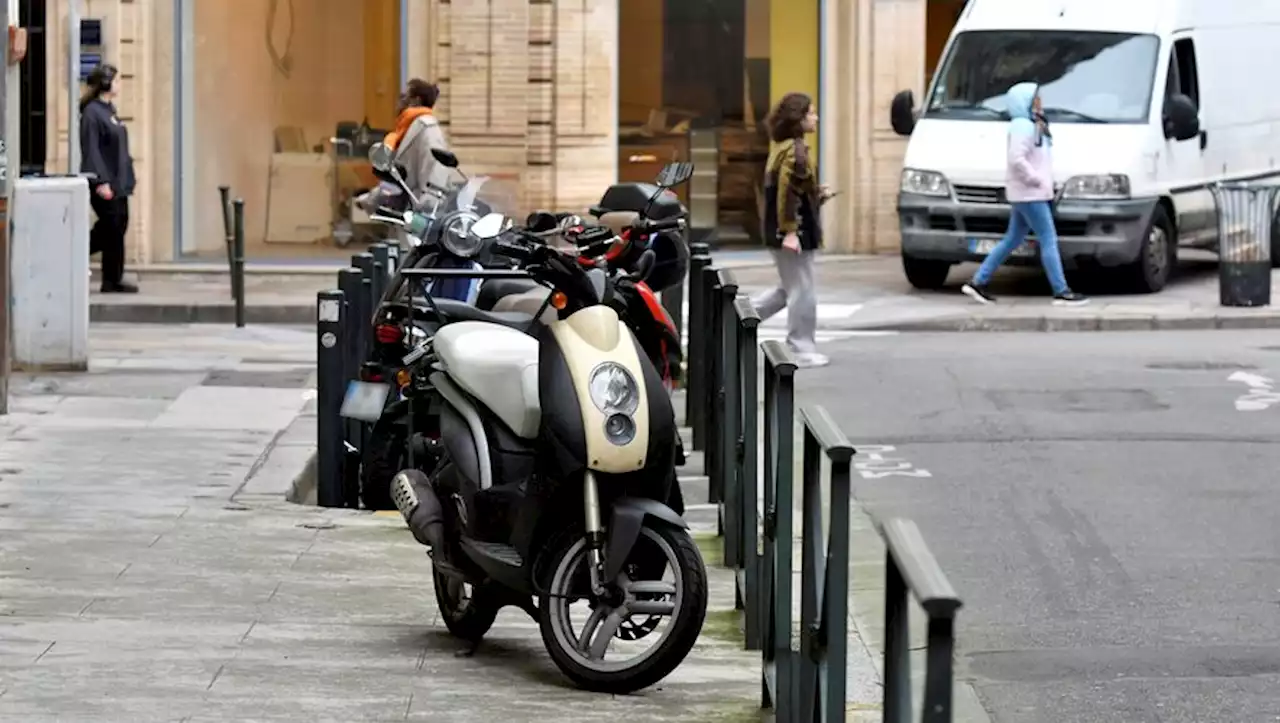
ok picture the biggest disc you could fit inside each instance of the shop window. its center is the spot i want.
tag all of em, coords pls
(723, 63)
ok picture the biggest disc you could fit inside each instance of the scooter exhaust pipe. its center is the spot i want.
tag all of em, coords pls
(420, 507)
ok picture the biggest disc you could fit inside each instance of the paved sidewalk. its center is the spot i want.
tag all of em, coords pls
(858, 295)
(152, 571)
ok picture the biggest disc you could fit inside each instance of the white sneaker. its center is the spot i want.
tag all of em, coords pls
(811, 359)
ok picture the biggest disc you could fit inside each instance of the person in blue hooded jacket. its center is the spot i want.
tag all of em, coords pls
(1029, 188)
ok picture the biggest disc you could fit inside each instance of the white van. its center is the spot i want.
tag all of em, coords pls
(1149, 102)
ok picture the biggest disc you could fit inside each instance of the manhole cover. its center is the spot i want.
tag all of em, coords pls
(288, 379)
(1199, 366)
(1083, 400)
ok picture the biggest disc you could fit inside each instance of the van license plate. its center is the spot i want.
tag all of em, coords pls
(984, 247)
(365, 400)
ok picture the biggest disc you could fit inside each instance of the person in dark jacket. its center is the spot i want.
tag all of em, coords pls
(792, 228)
(104, 149)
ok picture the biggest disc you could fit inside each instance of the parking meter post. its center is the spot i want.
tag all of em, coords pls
(237, 261)
(224, 196)
(330, 388)
(360, 327)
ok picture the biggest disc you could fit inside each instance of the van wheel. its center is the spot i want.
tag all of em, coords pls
(929, 274)
(1157, 256)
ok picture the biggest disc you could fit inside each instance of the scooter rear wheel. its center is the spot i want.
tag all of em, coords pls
(466, 614)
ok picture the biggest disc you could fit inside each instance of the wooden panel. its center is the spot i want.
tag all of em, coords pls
(300, 188)
(639, 47)
(381, 61)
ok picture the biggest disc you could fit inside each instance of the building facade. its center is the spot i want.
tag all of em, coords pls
(553, 99)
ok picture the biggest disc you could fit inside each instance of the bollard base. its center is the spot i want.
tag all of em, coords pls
(1244, 283)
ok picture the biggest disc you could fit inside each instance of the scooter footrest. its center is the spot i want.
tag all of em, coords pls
(506, 553)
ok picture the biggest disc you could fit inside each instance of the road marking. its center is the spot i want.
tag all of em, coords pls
(872, 463)
(1261, 395)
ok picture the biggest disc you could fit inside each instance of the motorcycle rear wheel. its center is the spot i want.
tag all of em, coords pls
(689, 609)
(466, 614)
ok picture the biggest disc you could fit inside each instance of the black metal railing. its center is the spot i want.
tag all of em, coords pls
(913, 571)
(804, 679)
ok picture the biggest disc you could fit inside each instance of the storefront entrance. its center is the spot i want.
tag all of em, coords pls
(289, 94)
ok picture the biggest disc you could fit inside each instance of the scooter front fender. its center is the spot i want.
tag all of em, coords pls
(629, 515)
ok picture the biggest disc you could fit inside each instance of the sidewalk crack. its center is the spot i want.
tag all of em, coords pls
(215, 677)
(43, 652)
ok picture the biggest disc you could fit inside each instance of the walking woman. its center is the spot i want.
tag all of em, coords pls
(104, 148)
(1029, 188)
(792, 231)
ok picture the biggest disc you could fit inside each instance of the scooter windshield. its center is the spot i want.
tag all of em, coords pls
(470, 193)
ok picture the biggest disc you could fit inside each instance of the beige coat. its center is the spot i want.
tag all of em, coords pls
(414, 151)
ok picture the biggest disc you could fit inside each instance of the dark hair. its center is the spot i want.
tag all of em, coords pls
(99, 81)
(787, 119)
(423, 92)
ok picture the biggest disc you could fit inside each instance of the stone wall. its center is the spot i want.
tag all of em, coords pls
(527, 92)
(129, 28)
(874, 50)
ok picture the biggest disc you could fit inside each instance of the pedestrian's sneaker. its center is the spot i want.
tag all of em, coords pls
(810, 359)
(1070, 298)
(978, 292)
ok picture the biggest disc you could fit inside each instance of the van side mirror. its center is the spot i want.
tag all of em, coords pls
(902, 113)
(1181, 118)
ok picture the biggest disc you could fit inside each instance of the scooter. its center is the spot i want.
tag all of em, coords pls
(559, 451)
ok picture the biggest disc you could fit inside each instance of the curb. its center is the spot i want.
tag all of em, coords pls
(1268, 319)
(302, 490)
(185, 313)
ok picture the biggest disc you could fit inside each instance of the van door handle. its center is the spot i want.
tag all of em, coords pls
(1204, 139)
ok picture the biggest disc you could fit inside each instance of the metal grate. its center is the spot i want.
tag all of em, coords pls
(287, 379)
(980, 194)
(1246, 212)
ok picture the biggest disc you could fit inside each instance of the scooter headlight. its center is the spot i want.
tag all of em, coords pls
(458, 239)
(614, 390)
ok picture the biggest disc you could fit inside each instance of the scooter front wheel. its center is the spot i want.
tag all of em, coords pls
(661, 607)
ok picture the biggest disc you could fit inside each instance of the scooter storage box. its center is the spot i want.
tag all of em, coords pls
(634, 196)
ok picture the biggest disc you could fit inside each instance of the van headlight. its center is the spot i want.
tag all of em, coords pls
(924, 183)
(615, 393)
(1109, 185)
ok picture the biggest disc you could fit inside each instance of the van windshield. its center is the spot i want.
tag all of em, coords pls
(1084, 77)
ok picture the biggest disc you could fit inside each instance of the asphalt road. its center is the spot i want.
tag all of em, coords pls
(1110, 519)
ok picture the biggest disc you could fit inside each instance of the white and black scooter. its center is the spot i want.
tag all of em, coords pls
(559, 450)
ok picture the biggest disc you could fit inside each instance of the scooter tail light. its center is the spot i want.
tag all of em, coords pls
(388, 333)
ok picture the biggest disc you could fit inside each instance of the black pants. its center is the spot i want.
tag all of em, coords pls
(107, 236)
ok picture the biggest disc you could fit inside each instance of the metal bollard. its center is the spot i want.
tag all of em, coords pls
(382, 265)
(360, 325)
(350, 281)
(224, 195)
(237, 261)
(708, 349)
(330, 388)
(695, 360)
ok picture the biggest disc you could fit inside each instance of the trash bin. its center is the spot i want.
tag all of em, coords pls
(50, 273)
(1245, 214)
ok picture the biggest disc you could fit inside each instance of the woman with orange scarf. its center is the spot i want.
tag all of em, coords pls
(417, 131)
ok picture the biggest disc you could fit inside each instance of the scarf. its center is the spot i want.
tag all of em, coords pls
(405, 119)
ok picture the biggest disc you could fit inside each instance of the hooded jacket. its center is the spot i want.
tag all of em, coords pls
(1029, 171)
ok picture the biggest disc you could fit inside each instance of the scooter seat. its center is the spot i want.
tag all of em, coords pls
(453, 310)
(492, 290)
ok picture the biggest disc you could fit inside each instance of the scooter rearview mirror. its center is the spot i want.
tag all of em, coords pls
(380, 156)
